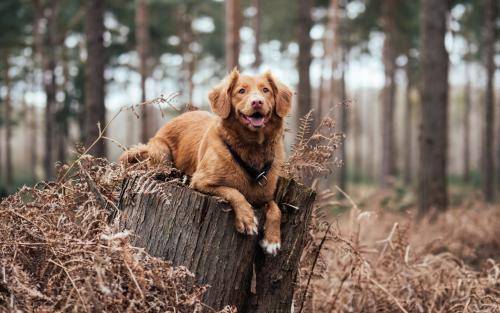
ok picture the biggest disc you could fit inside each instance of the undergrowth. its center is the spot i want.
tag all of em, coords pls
(61, 250)
(379, 260)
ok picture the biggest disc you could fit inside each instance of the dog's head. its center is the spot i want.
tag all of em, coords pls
(254, 101)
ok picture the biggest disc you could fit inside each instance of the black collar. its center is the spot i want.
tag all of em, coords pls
(257, 175)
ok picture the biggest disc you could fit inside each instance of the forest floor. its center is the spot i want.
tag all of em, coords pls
(58, 251)
(380, 258)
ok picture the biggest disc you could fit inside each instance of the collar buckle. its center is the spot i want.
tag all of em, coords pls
(262, 179)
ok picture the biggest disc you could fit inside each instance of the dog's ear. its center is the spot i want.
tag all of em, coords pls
(220, 96)
(282, 95)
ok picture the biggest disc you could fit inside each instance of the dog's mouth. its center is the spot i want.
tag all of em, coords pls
(256, 120)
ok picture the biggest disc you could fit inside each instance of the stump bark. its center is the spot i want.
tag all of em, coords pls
(188, 228)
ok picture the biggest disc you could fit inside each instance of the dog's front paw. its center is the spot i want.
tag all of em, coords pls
(270, 247)
(247, 223)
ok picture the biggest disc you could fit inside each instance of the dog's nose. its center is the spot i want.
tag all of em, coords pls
(257, 103)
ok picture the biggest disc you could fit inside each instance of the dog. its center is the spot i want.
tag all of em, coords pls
(235, 153)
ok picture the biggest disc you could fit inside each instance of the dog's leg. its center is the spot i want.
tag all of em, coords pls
(245, 220)
(272, 232)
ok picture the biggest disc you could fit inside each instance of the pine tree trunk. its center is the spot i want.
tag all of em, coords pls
(408, 128)
(388, 167)
(95, 111)
(1, 150)
(466, 125)
(256, 20)
(304, 60)
(372, 163)
(188, 55)
(63, 111)
(188, 228)
(344, 119)
(320, 99)
(489, 111)
(233, 24)
(32, 131)
(432, 188)
(142, 37)
(497, 176)
(357, 140)
(38, 36)
(8, 121)
(33, 142)
(49, 81)
(326, 93)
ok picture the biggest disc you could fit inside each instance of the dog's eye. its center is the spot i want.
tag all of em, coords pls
(265, 89)
(242, 90)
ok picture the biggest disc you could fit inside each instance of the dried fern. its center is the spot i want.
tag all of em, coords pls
(313, 153)
(303, 130)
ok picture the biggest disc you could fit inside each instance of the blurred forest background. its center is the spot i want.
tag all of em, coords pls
(411, 83)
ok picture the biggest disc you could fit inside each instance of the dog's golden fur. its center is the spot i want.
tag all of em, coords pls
(196, 142)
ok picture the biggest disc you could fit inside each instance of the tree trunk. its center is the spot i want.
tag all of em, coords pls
(408, 128)
(256, 20)
(30, 121)
(497, 134)
(371, 157)
(320, 98)
(387, 170)
(489, 111)
(50, 91)
(233, 24)
(326, 91)
(432, 188)
(95, 111)
(188, 55)
(49, 82)
(38, 37)
(304, 60)
(63, 110)
(191, 229)
(337, 53)
(8, 122)
(33, 142)
(1, 148)
(344, 127)
(142, 37)
(466, 125)
(357, 140)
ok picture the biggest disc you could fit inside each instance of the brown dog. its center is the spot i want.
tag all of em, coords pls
(235, 154)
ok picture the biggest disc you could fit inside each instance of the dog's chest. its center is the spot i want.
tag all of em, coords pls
(255, 193)
(260, 195)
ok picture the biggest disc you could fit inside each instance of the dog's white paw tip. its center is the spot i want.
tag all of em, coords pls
(270, 248)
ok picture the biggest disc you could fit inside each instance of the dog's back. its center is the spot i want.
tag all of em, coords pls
(183, 135)
(178, 141)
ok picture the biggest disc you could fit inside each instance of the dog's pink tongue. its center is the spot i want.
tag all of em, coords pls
(256, 121)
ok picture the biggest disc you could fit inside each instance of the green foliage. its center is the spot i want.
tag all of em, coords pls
(279, 20)
(15, 18)
(471, 28)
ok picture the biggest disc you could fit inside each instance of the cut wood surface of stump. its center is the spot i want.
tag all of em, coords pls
(188, 228)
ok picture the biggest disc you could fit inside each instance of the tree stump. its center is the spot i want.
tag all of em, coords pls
(188, 228)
